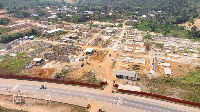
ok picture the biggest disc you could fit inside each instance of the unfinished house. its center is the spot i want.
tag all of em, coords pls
(136, 67)
(69, 27)
(128, 49)
(62, 52)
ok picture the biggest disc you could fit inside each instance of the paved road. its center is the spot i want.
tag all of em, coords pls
(92, 96)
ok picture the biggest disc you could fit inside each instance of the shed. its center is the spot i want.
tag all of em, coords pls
(166, 64)
(185, 54)
(106, 37)
(89, 51)
(38, 61)
(131, 75)
(109, 31)
(168, 71)
(129, 87)
(31, 38)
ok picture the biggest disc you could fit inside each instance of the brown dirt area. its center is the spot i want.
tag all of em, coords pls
(7, 102)
(176, 70)
(98, 56)
(188, 25)
(40, 72)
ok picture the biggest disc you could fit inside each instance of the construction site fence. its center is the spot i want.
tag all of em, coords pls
(159, 96)
(53, 80)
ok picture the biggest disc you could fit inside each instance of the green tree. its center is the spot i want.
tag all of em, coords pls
(75, 18)
(1, 6)
(4, 21)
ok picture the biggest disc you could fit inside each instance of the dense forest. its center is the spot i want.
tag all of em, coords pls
(177, 11)
(21, 8)
(172, 13)
(11, 37)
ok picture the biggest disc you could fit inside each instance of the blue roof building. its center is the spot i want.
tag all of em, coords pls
(31, 38)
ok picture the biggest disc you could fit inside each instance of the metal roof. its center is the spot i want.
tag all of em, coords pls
(89, 50)
(168, 71)
(126, 73)
(37, 59)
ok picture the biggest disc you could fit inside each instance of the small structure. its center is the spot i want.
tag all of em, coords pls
(136, 67)
(129, 87)
(168, 71)
(38, 61)
(130, 75)
(128, 49)
(140, 50)
(109, 32)
(89, 51)
(185, 54)
(12, 54)
(31, 38)
(106, 37)
(166, 64)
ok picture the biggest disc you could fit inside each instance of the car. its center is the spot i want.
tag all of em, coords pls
(43, 87)
(82, 64)
(81, 59)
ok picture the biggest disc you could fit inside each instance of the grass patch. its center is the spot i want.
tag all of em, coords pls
(178, 33)
(161, 45)
(144, 26)
(187, 86)
(148, 37)
(2, 109)
(14, 65)
(50, 35)
(90, 77)
(4, 30)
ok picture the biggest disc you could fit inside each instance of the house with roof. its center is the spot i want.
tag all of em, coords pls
(89, 51)
(124, 74)
(38, 61)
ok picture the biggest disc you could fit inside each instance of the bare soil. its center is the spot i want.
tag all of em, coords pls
(189, 25)
(30, 106)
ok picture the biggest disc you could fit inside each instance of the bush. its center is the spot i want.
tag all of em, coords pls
(4, 21)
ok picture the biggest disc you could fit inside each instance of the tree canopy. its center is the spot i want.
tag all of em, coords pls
(4, 21)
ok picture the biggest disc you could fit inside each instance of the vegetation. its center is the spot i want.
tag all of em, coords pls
(178, 11)
(50, 35)
(4, 30)
(21, 8)
(11, 37)
(90, 77)
(159, 45)
(13, 65)
(195, 33)
(62, 75)
(185, 87)
(165, 22)
(148, 37)
(4, 21)
(2, 109)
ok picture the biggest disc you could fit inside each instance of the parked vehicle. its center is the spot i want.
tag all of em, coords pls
(82, 64)
(43, 87)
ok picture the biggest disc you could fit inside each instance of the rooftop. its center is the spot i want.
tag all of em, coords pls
(125, 73)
